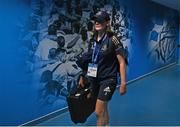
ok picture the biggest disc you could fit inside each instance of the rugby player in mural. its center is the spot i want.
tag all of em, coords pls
(162, 40)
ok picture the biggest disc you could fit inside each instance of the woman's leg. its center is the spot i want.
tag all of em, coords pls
(101, 112)
(106, 116)
(105, 92)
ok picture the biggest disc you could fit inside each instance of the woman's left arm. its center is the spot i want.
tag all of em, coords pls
(119, 49)
(122, 70)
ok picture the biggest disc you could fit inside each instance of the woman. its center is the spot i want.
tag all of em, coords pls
(106, 59)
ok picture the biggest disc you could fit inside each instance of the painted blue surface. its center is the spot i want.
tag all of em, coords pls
(178, 48)
(150, 101)
(154, 36)
(16, 93)
(19, 88)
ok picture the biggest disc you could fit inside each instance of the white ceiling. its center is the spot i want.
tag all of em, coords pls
(175, 4)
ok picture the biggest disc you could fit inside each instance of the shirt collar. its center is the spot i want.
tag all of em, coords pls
(102, 38)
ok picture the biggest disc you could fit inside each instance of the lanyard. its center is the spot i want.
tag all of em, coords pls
(95, 54)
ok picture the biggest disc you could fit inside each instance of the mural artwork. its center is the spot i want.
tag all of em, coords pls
(57, 33)
(162, 40)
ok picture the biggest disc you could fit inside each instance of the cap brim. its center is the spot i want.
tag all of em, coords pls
(98, 19)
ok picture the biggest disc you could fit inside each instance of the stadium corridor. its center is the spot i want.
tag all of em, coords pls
(152, 100)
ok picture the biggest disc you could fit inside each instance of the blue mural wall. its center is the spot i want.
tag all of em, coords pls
(179, 39)
(41, 40)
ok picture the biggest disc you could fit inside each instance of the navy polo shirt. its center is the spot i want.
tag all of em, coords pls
(107, 62)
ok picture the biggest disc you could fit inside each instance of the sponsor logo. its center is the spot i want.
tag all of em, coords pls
(107, 90)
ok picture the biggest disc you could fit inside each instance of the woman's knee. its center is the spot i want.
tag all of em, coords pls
(100, 108)
(99, 111)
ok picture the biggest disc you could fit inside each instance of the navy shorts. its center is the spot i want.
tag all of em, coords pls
(104, 89)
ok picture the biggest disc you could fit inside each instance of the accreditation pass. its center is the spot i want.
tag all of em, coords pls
(92, 70)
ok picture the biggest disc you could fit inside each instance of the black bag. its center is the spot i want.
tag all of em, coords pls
(81, 104)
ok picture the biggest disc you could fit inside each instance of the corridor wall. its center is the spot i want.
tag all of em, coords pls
(34, 80)
(179, 40)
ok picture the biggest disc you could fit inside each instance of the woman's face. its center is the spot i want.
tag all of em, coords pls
(100, 26)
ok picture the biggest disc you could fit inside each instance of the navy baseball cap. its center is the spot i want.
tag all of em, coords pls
(101, 17)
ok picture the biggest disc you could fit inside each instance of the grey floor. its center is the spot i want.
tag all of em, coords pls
(153, 100)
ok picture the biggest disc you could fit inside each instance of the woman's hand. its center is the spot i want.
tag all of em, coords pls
(122, 89)
(81, 81)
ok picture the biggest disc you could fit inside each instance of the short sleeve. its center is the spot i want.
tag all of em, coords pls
(118, 46)
(119, 49)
